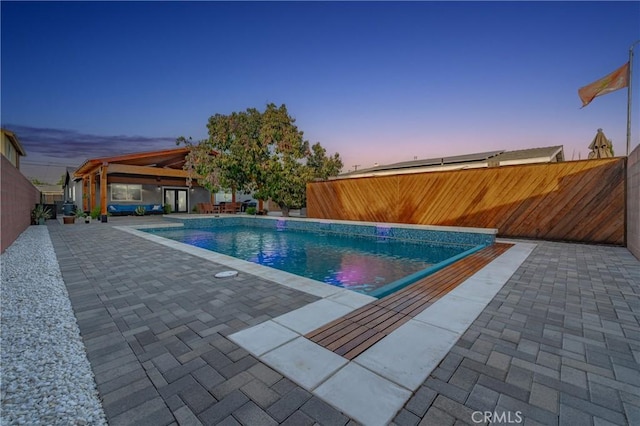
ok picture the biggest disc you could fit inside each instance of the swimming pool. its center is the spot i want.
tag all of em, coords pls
(367, 258)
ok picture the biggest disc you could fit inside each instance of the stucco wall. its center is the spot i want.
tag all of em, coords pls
(18, 197)
(633, 202)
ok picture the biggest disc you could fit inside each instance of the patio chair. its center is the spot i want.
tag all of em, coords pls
(229, 208)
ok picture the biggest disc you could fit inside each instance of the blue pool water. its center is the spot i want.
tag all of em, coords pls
(358, 263)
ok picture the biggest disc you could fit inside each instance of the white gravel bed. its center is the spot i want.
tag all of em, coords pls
(45, 376)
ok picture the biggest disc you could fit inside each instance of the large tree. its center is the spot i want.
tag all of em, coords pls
(322, 166)
(263, 153)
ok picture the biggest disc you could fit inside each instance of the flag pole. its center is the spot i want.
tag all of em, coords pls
(629, 97)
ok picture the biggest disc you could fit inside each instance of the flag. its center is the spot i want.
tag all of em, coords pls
(610, 83)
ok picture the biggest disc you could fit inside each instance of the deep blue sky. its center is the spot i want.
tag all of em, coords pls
(377, 82)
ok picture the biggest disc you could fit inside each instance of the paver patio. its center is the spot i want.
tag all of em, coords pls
(560, 343)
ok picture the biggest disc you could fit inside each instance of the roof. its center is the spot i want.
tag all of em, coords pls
(524, 154)
(68, 178)
(50, 189)
(468, 158)
(168, 158)
(479, 159)
(14, 140)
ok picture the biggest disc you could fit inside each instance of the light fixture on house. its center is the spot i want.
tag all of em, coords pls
(158, 188)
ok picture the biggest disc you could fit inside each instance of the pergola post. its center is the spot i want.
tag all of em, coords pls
(85, 193)
(103, 192)
(92, 190)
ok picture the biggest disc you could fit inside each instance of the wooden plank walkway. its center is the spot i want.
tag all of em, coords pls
(354, 333)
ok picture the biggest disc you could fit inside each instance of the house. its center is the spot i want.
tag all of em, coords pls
(51, 194)
(549, 154)
(119, 184)
(69, 186)
(18, 196)
(11, 148)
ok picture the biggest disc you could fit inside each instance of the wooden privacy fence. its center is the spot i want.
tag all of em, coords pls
(569, 201)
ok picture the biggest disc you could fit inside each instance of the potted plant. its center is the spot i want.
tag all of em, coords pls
(81, 214)
(40, 213)
(95, 213)
(68, 220)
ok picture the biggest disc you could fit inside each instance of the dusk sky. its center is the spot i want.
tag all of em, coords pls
(378, 82)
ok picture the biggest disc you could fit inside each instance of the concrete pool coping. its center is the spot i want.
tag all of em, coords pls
(375, 385)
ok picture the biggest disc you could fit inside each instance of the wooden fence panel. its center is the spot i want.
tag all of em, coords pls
(569, 201)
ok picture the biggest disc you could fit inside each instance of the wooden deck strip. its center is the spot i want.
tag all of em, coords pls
(420, 308)
(424, 288)
(389, 325)
(433, 279)
(370, 315)
(336, 323)
(358, 340)
(364, 346)
(332, 335)
(419, 288)
(411, 305)
(357, 331)
(386, 314)
(360, 329)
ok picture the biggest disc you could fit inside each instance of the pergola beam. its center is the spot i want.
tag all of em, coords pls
(147, 171)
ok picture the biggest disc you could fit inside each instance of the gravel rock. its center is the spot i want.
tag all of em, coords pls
(46, 378)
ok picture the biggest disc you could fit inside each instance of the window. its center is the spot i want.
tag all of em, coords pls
(9, 151)
(222, 196)
(126, 192)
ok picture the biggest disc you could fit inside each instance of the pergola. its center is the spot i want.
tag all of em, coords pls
(155, 167)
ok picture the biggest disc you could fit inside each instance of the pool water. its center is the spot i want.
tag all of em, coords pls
(357, 263)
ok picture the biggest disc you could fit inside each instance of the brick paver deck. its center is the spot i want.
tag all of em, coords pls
(560, 343)
(356, 332)
(154, 322)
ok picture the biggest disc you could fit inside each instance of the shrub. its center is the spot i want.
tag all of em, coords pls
(95, 212)
(40, 212)
(251, 210)
(167, 208)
